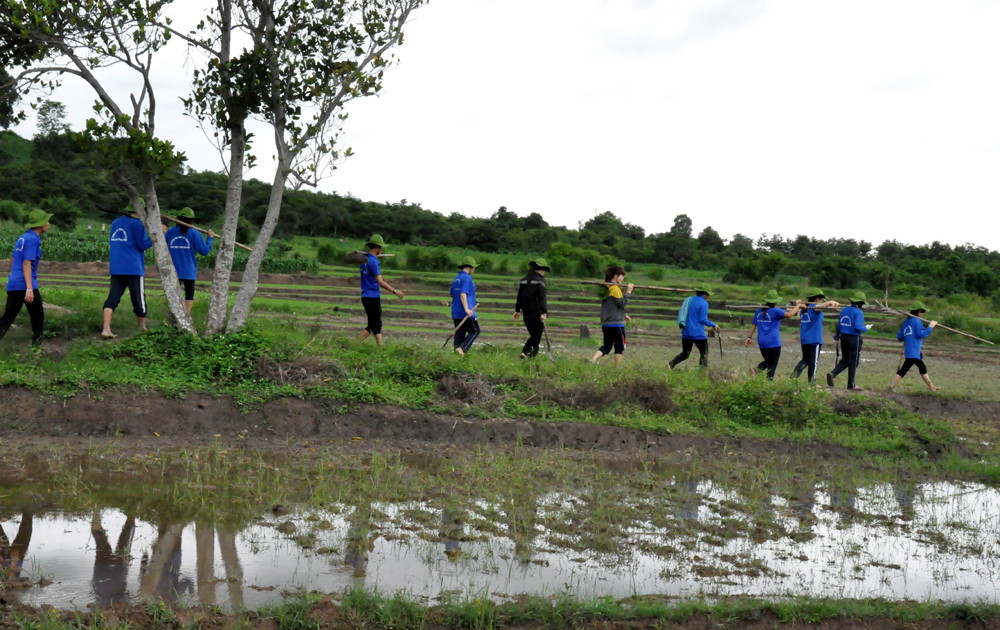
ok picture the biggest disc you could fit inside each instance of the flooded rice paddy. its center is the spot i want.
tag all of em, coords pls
(937, 541)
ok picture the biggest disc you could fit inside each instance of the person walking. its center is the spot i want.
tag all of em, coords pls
(613, 316)
(693, 335)
(811, 332)
(371, 285)
(533, 305)
(912, 333)
(22, 284)
(767, 325)
(463, 303)
(850, 326)
(127, 267)
(184, 243)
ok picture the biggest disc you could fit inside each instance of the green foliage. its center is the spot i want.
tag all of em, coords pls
(227, 360)
(330, 255)
(13, 212)
(656, 273)
(758, 402)
(64, 212)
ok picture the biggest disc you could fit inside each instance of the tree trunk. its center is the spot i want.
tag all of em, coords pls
(168, 275)
(219, 302)
(248, 288)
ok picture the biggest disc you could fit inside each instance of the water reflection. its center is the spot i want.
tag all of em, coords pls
(939, 541)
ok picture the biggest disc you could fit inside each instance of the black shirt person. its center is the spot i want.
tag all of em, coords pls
(532, 304)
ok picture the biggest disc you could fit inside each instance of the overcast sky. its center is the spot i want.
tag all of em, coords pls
(852, 119)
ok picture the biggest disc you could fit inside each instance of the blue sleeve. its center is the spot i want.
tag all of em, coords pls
(703, 315)
(201, 246)
(374, 269)
(925, 332)
(142, 240)
(34, 252)
(779, 313)
(859, 323)
(465, 285)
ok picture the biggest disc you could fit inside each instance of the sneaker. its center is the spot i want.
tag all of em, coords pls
(829, 378)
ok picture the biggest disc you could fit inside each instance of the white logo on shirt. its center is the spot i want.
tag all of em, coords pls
(19, 246)
(764, 317)
(846, 321)
(182, 242)
(806, 319)
(120, 236)
(908, 331)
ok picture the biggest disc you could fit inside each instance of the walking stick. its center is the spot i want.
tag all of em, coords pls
(720, 345)
(460, 324)
(638, 286)
(191, 227)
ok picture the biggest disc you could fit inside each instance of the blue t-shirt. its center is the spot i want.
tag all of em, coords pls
(852, 321)
(811, 328)
(912, 333)
(462, 284)
(183, 248)
(369, 272)
(128, 242)
(768, 323)
(27, 247)
(697, 319)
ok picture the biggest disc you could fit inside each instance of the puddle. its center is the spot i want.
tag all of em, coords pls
(935, 541)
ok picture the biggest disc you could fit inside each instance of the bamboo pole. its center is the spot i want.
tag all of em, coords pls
(637, 286)
(892, 311)
(191, 227)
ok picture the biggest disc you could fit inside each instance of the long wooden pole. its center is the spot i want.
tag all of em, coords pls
(191, 227)
(893, 311)
(637, 286)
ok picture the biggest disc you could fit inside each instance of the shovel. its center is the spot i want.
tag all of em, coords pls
(460, 324)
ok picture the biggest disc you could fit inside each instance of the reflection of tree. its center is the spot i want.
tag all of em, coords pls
(110, 581)
(234, 572)
(522, 511)
(358, 543)
(204, 537)
(13, 554)
(160, 572)
(451, 531)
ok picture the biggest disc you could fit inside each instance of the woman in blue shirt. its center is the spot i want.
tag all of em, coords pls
(850, 326)
(463, 304)
(371, 289)
(767, 325)
(183, 244)
(22, 285)
(811, 332)
(912, 333)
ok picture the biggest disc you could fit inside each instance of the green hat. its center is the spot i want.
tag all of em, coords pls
(129, 208)
(918, 306)
(541, 263)
(375, 241)
(37, 218)
(468, 261)
(187, 213)
(813, 293)
(859, 296)
(772, 297)
(703, 288)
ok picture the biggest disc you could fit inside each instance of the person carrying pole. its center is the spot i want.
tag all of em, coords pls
(851, 325)
(613, 316)
(463, 301)
(371, 294)
(811, 332)
(693, 335)
(127, 267)
(533, 305)
(183, 244)
(912, 333)
(22, 284)
(767, 325)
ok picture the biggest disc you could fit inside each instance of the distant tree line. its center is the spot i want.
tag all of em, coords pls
(52, 172)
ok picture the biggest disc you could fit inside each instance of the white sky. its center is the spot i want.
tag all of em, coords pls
(849, 119)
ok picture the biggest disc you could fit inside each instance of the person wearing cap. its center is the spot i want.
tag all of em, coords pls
(22, 284)
(850, 326)
(371, 285)
(533, 305)
(912, 333)
(184, 243)
(463, 304)
(694, 335)
(127, 267)
(767, 325)
(613, 315)
(811, 332)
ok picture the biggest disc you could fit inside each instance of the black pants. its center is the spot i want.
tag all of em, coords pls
(614, 338)
(686, 345)
(373, 309)
(850, 346)
(136, 286)
(770, 362)
(903, 369)
(810, 359)
(188, 289)
(535, 327)
(467, 334)
(15, 300)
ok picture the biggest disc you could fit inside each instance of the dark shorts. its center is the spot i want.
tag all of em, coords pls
(136, 286)
(373, 309)
(614, 337)
(188, 289)
(903, 369)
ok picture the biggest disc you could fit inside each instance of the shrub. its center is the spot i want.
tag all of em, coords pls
(656, 273)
